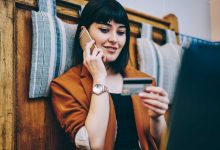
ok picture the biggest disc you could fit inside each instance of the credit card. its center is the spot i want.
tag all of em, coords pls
(133, 86)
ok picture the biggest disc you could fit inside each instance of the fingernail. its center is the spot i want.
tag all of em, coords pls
(148, 88)
(141, 94)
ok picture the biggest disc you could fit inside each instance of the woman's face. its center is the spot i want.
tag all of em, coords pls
(110, 37)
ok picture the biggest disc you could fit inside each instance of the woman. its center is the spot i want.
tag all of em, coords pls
(87, 99)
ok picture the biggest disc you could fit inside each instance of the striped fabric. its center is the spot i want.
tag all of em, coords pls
(47, 6)
(161, 62)
(171, 54)
(147, 56)
(52, 46)
(169, 62)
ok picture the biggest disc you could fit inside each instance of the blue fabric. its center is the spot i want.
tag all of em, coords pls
(58, 49)
(47, 6)
(52, 47)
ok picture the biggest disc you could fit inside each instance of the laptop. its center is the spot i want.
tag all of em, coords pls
(195, 117)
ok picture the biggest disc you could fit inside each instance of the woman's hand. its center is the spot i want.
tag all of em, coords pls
(156, 100)
(94, 62)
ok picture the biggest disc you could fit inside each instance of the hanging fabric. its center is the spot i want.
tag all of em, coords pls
(171, 57)
(147, 58)
(52, 47)
(171, 37)
(161, 62)
(48, 6)
(186, 41)
(81, 9)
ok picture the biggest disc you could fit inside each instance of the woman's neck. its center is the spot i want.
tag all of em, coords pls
(114, 81)
(110, 72)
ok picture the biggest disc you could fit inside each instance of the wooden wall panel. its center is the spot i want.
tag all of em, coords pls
(29, 114)
(133, 51)
(36, 125)
(27, 2)
(6, 75)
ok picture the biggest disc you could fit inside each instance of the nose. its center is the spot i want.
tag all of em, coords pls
(113, 37)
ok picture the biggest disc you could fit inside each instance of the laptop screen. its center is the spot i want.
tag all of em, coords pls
(195, 117)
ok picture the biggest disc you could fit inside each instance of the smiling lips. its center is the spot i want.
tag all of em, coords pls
(111, 49)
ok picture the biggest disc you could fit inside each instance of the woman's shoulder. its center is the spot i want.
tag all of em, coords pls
(71, 76)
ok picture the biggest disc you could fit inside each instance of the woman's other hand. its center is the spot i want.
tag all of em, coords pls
(156, 100)
(94, 62)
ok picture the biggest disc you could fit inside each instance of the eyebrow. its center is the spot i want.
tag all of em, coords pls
(108, 24)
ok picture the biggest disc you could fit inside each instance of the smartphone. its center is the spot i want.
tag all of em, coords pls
(84, 38)
(133, 86)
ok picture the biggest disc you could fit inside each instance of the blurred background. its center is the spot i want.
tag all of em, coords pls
(197, 18)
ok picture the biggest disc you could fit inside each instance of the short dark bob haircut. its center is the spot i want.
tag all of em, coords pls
(103, 11)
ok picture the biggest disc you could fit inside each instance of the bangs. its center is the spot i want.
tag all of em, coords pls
(109, 13)
(104, 11)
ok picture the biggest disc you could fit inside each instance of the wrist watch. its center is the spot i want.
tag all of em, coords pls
(99, 89)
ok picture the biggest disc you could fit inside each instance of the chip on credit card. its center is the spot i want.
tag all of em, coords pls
(133, 86)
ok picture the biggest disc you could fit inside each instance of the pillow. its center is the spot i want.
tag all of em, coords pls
(161, 62)
(52, 46)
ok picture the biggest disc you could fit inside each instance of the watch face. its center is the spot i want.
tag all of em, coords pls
(97, 88)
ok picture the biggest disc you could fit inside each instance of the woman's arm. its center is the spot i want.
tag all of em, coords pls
(97, 120)
(157, 127)
(98, 115)
(69, 112)
(156, 100)
(77, 121)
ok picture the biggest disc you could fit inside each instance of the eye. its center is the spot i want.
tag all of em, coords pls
(121, 33)
(104, 30)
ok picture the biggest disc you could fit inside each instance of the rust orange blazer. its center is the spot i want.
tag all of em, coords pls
(71, 95)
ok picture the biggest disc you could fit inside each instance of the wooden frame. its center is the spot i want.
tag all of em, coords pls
(31, 124)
